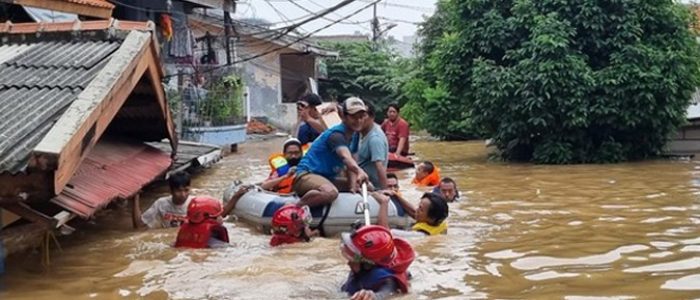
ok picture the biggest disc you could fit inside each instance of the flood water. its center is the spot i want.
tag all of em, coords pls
(626, 231)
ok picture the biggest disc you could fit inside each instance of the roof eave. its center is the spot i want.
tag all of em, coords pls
(323, 52)
(68, 7)
(81, 126)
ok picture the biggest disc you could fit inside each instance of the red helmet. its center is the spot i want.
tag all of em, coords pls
(202, 208)
(374, 244)
(290, 220)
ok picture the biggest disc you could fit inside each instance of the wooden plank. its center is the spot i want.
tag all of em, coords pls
(155, 74)
(10, 200)
(7, 218)
(26, 212)
(69, 7)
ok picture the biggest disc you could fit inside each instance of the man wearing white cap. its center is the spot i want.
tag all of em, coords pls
(327, 157)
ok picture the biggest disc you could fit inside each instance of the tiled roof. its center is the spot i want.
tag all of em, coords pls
(96, 3)
(36, 86)
(40, 78)
(46, 27)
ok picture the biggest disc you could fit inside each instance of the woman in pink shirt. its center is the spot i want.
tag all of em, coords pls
(396, 130)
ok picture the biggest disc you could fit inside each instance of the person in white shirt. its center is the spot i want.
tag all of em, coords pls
(168, 211)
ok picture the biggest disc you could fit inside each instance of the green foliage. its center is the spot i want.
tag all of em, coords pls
(174, 97)
(375, 75)
(559, 81)
(224, 103)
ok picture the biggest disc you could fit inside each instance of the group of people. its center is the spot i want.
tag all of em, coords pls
(317, 165)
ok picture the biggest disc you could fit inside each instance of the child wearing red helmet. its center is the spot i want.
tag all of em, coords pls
(290, 224)
(203, 227)
(378, 261)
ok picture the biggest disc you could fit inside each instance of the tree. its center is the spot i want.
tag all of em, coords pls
(561, 81)
(376, 75)
(430, 104)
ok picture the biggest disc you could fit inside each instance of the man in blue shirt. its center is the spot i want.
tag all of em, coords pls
(327, 157)
(372, 154)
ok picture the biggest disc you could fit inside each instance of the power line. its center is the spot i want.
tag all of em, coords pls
(266, 35)
(404, 6)
(399, 21)
(417, 8)
(325, 18)
(279, 13)
(282, 46)
(317, 16)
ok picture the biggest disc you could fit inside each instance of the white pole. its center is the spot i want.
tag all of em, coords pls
(364, 197)
(247, 104)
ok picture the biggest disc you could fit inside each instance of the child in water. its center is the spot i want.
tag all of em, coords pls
(378, 263)
(290, 224)
(204, 227)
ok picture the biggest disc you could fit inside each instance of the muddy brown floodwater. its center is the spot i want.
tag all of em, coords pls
(624, 231)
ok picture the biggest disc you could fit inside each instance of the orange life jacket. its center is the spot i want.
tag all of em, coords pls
(285, 186)
(431, 180)
(278, 165)
(197, 235)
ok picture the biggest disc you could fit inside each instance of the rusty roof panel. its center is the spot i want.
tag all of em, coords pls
(112, 170)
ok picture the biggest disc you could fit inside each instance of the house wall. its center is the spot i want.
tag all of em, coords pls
(264, 75)
(687, 140)
(264, 80)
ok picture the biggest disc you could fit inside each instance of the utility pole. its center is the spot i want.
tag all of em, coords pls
(375, 26)
(228, 5)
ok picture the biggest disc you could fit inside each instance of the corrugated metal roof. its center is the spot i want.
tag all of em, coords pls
(26, 116)
(14, 76)
(38, 81)
(11, 51)
(112, 170)
(62, 54)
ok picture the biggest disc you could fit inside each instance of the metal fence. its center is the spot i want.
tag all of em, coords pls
(207, 97)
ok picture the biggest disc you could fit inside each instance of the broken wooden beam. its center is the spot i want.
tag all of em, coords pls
(23, 210)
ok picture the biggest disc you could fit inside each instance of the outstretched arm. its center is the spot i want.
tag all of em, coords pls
(270, 184)
(383, 215)
(136, 212)
(356, 174)
(231, 204)
(407, 206)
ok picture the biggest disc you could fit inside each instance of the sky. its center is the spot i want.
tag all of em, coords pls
(400, 12)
